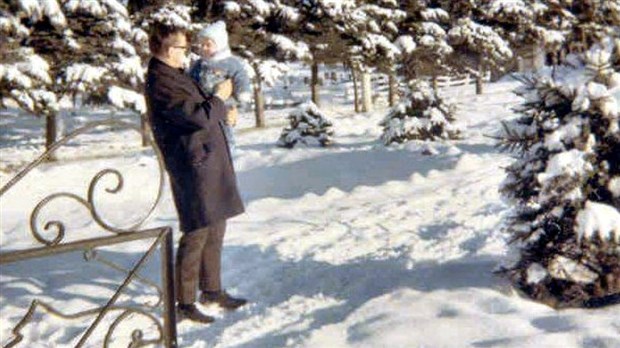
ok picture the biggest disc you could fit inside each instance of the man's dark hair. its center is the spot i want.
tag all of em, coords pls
(159, 38)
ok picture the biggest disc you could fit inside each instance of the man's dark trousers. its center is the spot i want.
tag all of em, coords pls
(199, 259)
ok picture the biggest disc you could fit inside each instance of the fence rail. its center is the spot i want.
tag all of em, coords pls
(460, 80)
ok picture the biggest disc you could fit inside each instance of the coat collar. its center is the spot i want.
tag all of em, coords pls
(158, 64)
(175, 76)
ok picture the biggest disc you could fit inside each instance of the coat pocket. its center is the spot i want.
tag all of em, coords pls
(196, 149)
(200, 157)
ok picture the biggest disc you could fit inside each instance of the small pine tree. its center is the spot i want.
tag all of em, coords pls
(566, 185)
(424, 115)
(307, 124)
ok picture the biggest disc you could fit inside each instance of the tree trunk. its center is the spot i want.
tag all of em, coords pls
(203, 8)
(51, 133)
(435, 83)
(562, 55)
(538, 57)
(356, 98)
(366, 92)
(259, 104)
(314, 83)
(479, 79)
(75, 104)
(555, 58)
(393, 89)
(520, 64)
(259, 99)
(144, 130)
(479, 85)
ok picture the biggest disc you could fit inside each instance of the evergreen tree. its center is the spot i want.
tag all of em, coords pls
(52, 52)
(105, 65)
(26, 76)
(371, 34)
(307, 125)
(478, 46)
(137, 7)
(488, 47)
(372, 29)
(325, 30)
(513, 20)
(594, 20)
(423, 115)
(559, 26)
(566, 184)
(172, 15)
(423, 38)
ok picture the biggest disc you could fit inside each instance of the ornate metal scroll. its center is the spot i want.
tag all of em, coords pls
(89, 202)
(56, 245)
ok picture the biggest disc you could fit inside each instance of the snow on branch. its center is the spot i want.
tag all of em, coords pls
(598, 220)
(481, 39)
(176, 16)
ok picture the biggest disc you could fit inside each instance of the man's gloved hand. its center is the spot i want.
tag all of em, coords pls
(224, 89)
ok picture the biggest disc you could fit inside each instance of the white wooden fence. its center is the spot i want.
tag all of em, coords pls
(460, 80)
(297, 90)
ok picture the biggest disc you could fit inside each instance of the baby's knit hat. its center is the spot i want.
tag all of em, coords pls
(216, 32)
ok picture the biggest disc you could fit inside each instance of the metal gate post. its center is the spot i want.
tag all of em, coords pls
(167, 278)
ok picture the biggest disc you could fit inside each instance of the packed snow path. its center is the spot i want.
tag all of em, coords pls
(357, 245)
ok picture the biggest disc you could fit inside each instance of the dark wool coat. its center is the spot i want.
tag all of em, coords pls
(188, 128)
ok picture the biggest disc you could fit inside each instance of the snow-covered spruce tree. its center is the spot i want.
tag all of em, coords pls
(560, 27)
(513, 20)
(566, 185)
(371, 32)
(424, 41)
(423, 115)
(54, 52)
(324, 30)
(532, 24)
(106, 66)
(489, 50)
(593, 20)
(373, 29)
(26, 76)
(307, 125)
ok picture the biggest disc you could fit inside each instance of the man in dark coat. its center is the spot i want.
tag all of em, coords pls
(188, 126)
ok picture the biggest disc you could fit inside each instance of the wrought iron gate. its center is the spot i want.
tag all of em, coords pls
(162, 237)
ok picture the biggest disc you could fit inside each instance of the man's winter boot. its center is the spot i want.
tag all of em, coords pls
(221, 298)
(191, 312)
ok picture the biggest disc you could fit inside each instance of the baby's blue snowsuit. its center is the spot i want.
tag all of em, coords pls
(208, 72)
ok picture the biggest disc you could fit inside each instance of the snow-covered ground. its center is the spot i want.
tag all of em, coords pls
(357, 245)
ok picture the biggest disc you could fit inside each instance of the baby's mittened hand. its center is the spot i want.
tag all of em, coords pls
(224, 89)
(231, 116)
